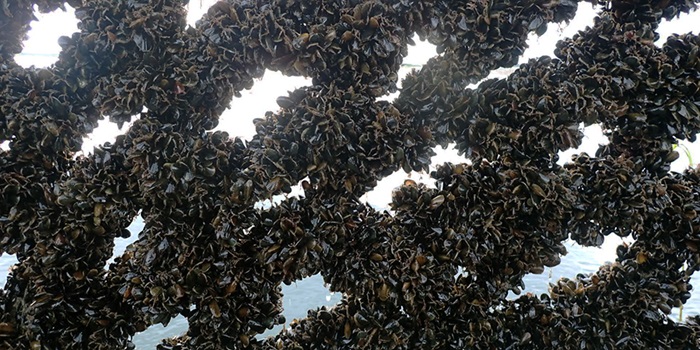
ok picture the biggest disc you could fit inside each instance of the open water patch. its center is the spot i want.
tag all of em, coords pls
(6, 263)
(41, 47)
(301, 296)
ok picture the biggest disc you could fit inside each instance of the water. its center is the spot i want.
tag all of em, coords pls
(299, 297)
(311, 293)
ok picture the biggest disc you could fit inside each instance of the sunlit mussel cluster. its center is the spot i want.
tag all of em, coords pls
(647, 95)
(476, 38)
(435, 272)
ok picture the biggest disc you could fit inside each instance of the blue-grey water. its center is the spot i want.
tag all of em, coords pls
(311, 293)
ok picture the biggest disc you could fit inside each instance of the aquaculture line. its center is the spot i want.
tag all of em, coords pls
(208, 254)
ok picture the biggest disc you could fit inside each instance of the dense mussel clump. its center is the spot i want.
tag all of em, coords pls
(433, 274)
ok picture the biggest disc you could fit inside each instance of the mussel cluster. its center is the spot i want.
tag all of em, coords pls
(433, 274)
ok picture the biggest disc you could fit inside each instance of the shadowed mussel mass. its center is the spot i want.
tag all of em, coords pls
(435, 272)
